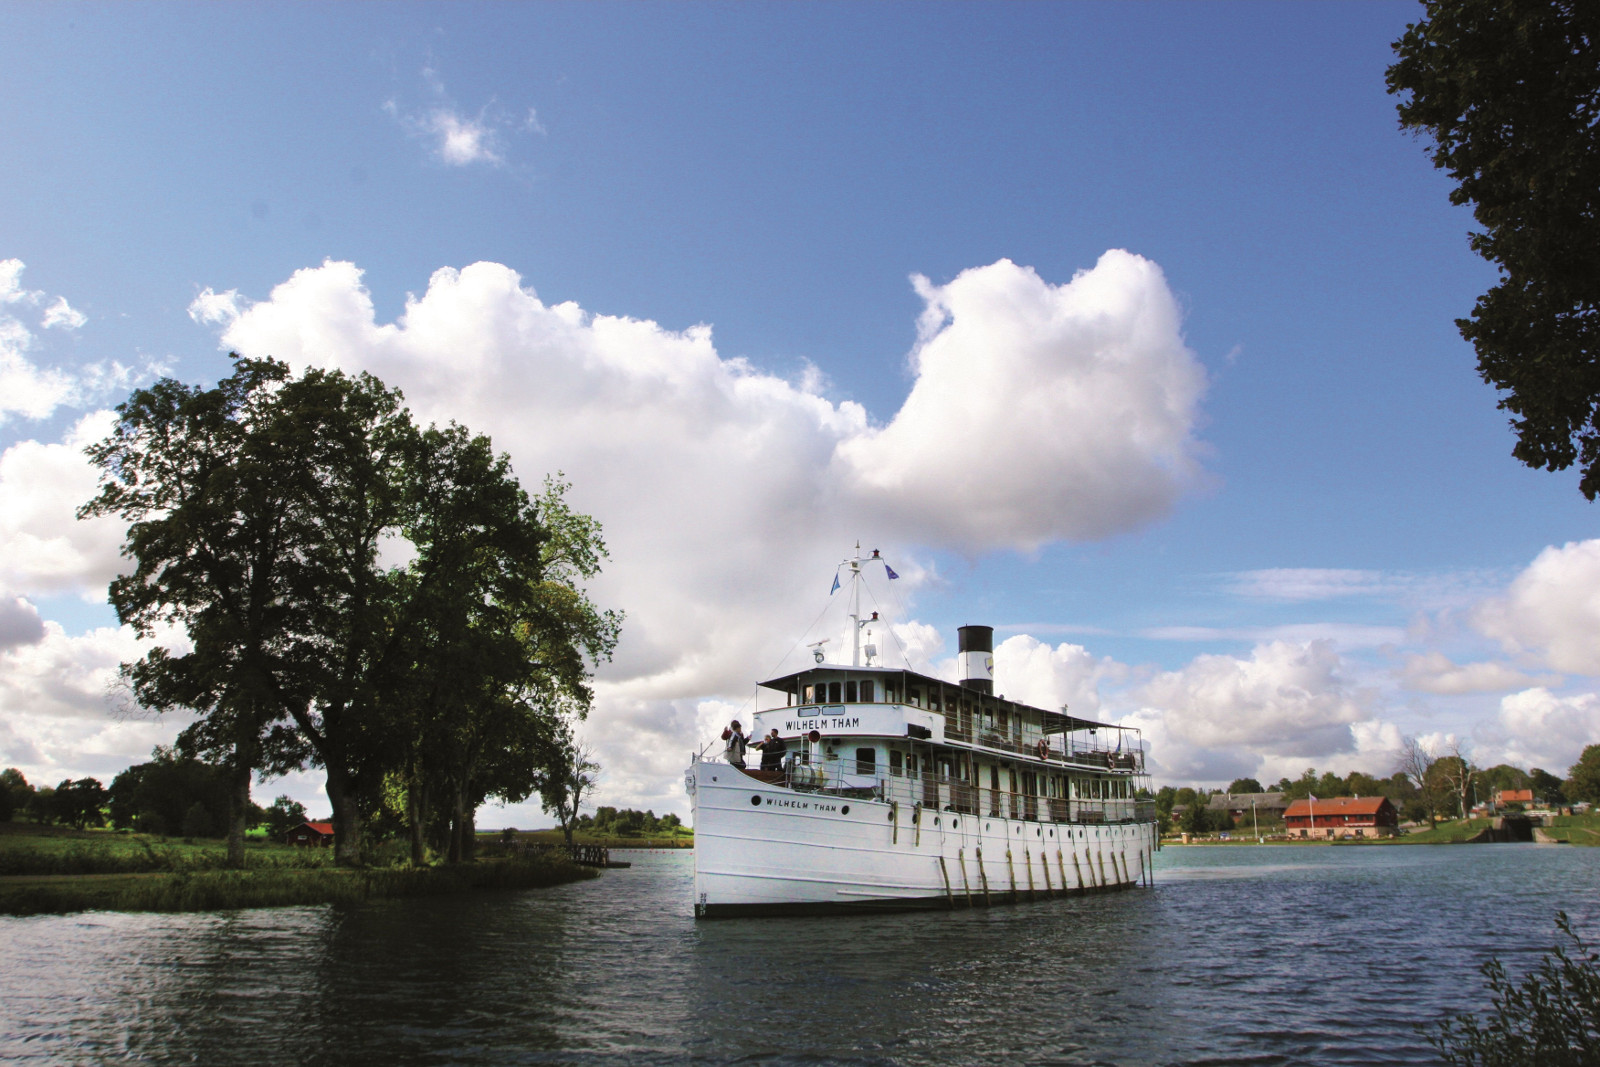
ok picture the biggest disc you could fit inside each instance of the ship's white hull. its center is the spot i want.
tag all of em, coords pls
(765, 849)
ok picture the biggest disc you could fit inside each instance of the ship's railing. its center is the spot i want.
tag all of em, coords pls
(1048, 749)
(847, 778)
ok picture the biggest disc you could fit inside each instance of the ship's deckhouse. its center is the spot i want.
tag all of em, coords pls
(950, 746)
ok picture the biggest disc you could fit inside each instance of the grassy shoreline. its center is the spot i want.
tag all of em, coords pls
(1566, 829)
(53, 870)
(230, 890)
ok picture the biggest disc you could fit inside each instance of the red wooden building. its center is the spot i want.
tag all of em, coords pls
(311, 835)
(1342, 817)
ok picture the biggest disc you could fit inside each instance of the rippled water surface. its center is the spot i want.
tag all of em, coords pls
(1266, 955)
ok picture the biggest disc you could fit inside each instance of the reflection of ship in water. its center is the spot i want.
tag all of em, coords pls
(898, 790)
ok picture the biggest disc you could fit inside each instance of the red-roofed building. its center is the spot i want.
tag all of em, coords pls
(1342, 817)
(1513, 796)
(310, 835)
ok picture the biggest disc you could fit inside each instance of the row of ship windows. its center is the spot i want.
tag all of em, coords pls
(865, 691)
(909, 765)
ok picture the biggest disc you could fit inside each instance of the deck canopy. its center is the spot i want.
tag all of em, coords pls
(901, 682)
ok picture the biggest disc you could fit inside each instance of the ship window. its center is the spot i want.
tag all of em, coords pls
(866, 761)
(866, 692)
(833, 692)
(850, 692)
(894, 762)
(915, 694)
(888, 694)
(811, 694)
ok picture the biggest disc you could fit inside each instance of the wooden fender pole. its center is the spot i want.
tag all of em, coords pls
(1100, 854)
(945, 871)
(916, 822)
(894, 822)
(1011, 868)
(983, 877)
(1061, 865)
(1126, 877)
(1044, 861)
(966, 883)
(1077, 870)
(1027, 863)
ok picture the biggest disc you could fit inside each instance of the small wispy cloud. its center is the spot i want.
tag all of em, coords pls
(456, 137)
(1345, 635)
(1422, 591)
(63, 316)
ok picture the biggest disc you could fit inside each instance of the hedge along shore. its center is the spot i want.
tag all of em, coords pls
(225, 890)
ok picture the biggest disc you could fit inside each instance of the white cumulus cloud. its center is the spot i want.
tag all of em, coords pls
(1546, 730)
(1552, 609)
(1047, 411)
(1220, 716)
(1434, 672)
(44, 548)
(727, 492)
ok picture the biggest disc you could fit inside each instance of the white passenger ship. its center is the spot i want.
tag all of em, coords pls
(901, 791)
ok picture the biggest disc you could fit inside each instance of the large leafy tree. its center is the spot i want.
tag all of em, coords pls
(261, 513)
(215, 484)
(1509, 93)
(1583, 777)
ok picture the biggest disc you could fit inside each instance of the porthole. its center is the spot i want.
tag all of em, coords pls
(845, 810)
(986, 826)
(756, 801)
(954, 823)
(1038, 832)
(1052, 833)
(936, 820)
(891, 816)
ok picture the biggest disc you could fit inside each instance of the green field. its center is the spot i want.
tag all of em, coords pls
(45, 869)
(682, 838)
(1576, 829)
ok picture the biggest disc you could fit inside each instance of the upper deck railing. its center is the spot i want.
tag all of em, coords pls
(845, 778)
(1068, 750)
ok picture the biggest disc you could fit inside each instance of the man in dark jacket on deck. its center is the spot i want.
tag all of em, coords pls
(772, 750)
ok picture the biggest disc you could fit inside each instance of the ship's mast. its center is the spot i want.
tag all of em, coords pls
(854, 563)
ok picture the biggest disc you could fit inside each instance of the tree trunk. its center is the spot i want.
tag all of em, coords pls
(238, 809)
(416, 811)
(346, 819)
(458, 820)
(469, 839)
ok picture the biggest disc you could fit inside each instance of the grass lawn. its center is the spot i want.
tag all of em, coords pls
(47, 869)
(31, 848)
(682, 838)
(1576, 829)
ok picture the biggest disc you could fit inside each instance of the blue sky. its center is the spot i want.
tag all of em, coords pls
(778, 173)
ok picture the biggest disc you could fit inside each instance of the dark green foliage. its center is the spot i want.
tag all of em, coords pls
(1508, 91)
(283, 816)
(1546, 787)
(1245, 785)
(610, 822)
(1583, 777)
(15, 794)
(80, 803)
(158, 797)
(1549, 1019)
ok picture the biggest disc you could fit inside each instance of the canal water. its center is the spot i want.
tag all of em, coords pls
(1240, 955)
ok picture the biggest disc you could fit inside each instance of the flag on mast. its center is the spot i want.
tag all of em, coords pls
(835, 588)
(892, 574)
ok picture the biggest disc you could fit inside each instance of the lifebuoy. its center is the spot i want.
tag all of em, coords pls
(1043, 749)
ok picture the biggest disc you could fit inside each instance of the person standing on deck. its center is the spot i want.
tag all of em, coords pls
(737, 742)
(772, 750)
